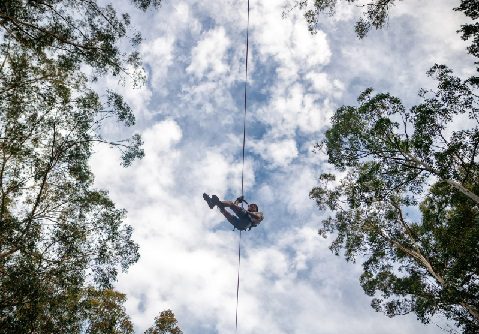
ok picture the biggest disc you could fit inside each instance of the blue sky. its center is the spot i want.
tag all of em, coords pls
(190, 116)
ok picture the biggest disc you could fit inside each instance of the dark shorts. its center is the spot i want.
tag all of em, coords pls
(241, 221)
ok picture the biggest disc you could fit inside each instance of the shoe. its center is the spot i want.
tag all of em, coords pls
(208, 200)
(216, 201)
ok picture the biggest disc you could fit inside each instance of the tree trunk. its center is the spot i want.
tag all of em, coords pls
(440, 280)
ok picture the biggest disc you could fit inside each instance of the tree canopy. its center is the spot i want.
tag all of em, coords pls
(72, 33)
(104, 313)
(165, 323)
(406, 198)
(58, 234)
(375, 13)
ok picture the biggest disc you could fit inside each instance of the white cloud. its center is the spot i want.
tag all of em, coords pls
(208, 56)
(293, 108)
(288, 42)
(192, 128)
(323, 84)
(158, 54)
(161, 137)
(277, 152)
(184, 18)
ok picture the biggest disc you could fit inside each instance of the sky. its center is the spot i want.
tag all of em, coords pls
(190, 115)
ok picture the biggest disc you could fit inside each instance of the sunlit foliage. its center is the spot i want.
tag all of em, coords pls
(58, 234)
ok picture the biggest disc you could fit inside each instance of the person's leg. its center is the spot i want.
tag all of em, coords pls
(215, 201)
(232, 219)
(209, 200)
(239, 211)
(227, 204)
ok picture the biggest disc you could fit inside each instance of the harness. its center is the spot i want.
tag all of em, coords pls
(249, 224)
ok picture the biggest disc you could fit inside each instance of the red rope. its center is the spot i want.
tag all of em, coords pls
(245, 102)
(237, 283)
(242, 169)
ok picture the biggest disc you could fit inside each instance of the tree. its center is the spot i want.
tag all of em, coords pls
(407, 201)
(470, 30)
(398, 162)
(165, 323)
(375, 14)
(71, 33)
(104, 312)
(58, 234)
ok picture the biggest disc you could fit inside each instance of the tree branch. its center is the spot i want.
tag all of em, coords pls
(451, 182)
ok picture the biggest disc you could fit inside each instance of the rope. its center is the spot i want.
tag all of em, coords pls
(242, 169)
(245, 102)
(237, 284)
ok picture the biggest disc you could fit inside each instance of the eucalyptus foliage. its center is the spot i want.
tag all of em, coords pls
(104, 313)
(165, 323)
(375, 14)
(58, 234)
(470, 30)
(405, 195)
(408, 199)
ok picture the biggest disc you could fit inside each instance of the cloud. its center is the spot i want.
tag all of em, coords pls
(161, 137)
(288, 42)
(191, 120)
(158, 54)
(208, 56)
(323, 84)
(277, 152)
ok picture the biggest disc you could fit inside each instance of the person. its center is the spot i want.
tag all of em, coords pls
(243, 218)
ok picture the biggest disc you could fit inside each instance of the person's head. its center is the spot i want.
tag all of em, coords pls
(252, 207)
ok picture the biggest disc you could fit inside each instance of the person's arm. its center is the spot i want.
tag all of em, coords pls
(256, 215)
(225, 213)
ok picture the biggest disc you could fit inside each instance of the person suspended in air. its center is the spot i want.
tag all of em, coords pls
(242, 219)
